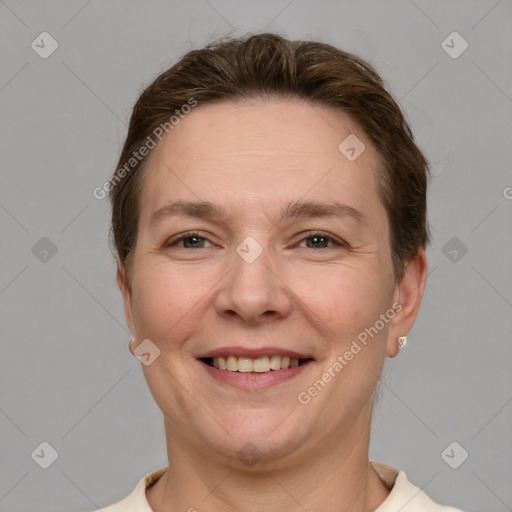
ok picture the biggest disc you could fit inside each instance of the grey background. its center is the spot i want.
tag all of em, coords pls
(66, 375)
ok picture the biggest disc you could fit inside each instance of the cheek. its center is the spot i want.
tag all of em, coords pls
(166, 299)
(347, 298)
(158, 300)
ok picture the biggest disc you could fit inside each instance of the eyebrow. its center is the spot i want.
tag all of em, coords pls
(294, 210)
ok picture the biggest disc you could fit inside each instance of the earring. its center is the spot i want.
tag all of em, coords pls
(402, 341)
(130, 345)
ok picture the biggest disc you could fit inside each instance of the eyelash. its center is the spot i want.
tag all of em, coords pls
(311, 234)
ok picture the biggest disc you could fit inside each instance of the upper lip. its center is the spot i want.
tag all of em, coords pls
(253, 353)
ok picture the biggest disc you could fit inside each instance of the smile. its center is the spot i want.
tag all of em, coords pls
(253, 369)
(255, 365)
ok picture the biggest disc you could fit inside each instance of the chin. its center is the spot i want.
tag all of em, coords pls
(258, 439)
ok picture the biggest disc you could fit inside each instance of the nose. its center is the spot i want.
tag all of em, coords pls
(254, 292)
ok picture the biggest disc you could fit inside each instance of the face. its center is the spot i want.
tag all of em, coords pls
(286, 261)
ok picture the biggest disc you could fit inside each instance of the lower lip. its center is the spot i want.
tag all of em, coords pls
(254, 380)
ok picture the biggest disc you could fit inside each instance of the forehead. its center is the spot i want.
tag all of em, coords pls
(280, 127)
(261, 152)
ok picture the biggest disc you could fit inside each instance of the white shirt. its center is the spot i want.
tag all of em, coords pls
(404, 496)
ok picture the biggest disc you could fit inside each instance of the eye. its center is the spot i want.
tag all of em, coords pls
(191, 240)
(320, 240)
(313, 240)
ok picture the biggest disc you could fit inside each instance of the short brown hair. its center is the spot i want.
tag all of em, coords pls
(268, 65)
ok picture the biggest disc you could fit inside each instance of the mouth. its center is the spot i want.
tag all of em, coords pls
(262, 364)
(256, 369)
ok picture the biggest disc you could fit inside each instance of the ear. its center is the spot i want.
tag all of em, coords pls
(408, 293)
(127, 297)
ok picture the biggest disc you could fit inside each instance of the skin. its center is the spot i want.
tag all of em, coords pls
(254, 158)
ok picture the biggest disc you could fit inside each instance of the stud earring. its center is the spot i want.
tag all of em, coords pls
(130, 345)
(402, 341)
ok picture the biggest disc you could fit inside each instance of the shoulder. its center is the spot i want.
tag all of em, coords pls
(404, 495)
(136, 501)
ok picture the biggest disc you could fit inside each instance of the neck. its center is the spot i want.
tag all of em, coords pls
(334, 477)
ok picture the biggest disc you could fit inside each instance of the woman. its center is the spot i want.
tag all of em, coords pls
(269, 219)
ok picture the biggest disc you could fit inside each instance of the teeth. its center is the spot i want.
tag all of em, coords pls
(262, 364)
(258, 365)
(245, 365)
(275, 363)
